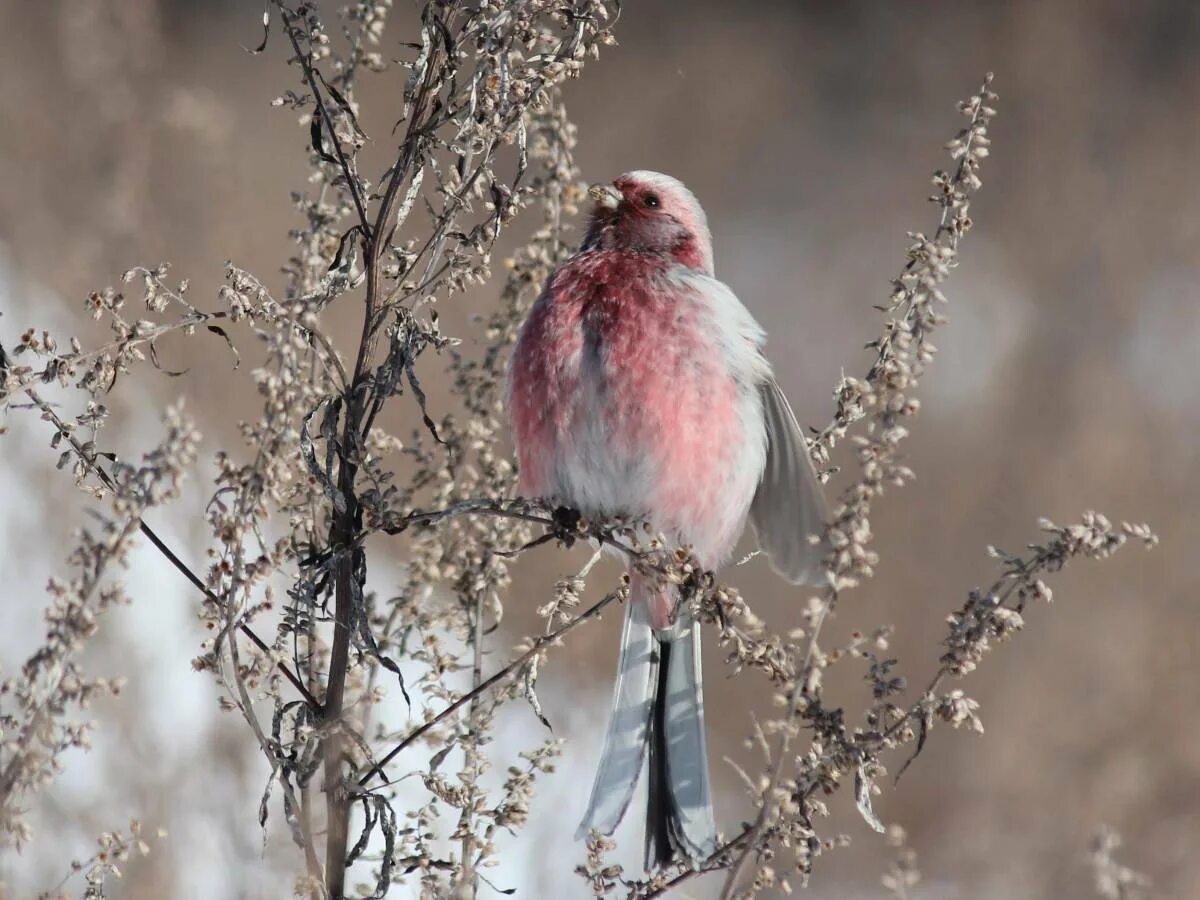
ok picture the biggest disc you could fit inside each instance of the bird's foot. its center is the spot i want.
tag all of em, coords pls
(566, 524)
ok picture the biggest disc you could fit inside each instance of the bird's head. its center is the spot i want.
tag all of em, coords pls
(650, 212)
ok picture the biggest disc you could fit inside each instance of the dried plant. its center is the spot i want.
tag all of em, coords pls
(902, 874)
(304, 644)
(34, 721)
(1113, 880)
(114, 848)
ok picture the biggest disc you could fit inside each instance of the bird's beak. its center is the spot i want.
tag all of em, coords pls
(605, 195)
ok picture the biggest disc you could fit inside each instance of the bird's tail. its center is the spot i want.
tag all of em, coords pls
(658, 710)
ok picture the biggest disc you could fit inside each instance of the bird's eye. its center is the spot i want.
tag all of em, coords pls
(651, 200)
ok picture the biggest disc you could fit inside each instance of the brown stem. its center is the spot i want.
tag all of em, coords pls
(311, 862)
(345, 523)
(336, 799)
(341, 539)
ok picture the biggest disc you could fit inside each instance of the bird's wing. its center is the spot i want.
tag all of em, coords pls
(789, 506)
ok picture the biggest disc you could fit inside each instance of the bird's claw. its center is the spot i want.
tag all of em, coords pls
(566, 524)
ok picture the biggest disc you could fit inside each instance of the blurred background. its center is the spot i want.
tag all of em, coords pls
(136, 131)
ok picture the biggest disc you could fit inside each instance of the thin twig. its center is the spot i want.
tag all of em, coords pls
(171, 556)
(503, 675)
(467, 876)
(821, 444)
(322, 112)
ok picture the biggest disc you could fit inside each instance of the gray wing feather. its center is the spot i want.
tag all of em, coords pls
(789, 505)
(628, 726)
(687, 756)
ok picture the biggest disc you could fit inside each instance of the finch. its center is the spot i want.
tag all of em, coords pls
(638, 387)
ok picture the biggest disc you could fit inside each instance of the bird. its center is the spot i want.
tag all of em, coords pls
(638, 387)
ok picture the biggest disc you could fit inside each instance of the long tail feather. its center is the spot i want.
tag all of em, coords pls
(680, 700)
(628, 725)
(660, 846)
(658, 710)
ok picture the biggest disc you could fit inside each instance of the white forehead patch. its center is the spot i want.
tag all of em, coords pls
(676, 189)
(669, 185)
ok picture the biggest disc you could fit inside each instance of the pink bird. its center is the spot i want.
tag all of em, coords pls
(638, 387)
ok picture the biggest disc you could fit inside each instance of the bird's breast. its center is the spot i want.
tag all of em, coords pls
(624, 403)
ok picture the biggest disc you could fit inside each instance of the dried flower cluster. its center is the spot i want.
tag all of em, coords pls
(113, 849)
(325, 474)
(902, 874)
(1113, 880)
(37, 723)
